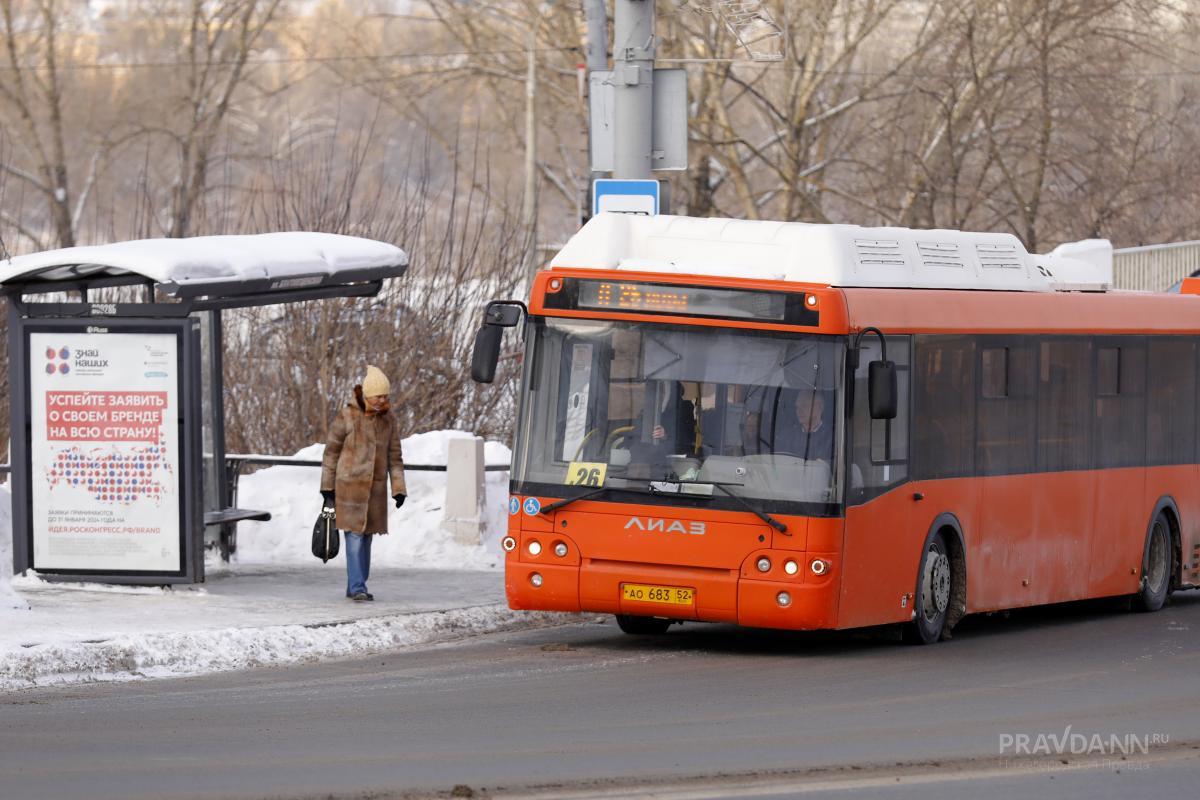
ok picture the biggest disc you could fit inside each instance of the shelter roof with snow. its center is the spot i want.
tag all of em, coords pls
(833, 255)
(230, 267)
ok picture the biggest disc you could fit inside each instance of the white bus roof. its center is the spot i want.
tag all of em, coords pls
(833, 255)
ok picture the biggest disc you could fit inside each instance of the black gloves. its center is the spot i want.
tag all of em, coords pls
(399, 498)
(329, 497)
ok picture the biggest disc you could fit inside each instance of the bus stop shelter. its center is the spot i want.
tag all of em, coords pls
(117, 411)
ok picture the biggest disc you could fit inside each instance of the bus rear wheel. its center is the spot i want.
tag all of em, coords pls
(1156, 567)
(932, 602)
(642, 626)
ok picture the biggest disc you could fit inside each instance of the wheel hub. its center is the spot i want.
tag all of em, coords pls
(935, 588)
(1157, 566)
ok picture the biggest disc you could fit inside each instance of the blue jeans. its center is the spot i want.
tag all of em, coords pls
(358, 562)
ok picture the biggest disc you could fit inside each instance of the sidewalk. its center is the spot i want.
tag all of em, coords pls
(251, 616)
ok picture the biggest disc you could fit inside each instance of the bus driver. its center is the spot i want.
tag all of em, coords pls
(811, 437)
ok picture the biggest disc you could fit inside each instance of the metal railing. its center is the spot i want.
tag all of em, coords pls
(1156, 267)
(289, 461)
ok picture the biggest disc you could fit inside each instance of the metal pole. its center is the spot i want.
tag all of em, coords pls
(597, 35)
(529, 211)
(633, 79)
(596, 12)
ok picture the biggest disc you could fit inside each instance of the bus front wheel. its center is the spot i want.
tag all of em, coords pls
(1156, 567)
(642, 626)
(932, 602)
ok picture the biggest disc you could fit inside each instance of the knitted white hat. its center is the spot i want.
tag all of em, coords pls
(376, 383)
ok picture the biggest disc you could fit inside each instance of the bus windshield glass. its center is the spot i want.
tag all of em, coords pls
(683, 409)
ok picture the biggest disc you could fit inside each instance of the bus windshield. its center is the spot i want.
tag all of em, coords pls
(681, 409)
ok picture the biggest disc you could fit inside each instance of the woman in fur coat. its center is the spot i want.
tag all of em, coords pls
(362, 453)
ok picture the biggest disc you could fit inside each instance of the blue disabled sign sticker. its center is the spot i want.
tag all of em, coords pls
(533, 506)
(514, 505)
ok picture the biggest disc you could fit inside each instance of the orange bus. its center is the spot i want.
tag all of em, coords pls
(824, 427)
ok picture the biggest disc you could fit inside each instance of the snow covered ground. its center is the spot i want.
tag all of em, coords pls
(292, 495)
(276, 604)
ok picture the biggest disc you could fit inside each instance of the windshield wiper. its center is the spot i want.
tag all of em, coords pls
(560, 503)
(764, 516)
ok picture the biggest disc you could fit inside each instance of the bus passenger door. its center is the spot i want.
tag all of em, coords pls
(880, 548)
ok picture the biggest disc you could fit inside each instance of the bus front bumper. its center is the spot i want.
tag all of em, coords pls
(805, 602)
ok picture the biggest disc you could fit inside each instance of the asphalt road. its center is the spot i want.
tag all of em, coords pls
(582, 710)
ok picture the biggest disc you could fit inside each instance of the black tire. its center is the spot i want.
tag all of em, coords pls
(1157, 564)
(642, 626)
(934, 590)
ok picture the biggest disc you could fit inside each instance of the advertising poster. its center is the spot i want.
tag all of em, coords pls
(104, 451)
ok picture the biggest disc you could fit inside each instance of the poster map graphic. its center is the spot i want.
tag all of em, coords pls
(104, 412)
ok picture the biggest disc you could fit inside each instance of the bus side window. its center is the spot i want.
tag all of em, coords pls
(944, 430)
(878, 448)
(1007, 413)
(1120, 403)
(1064, 391)
(1171, 400)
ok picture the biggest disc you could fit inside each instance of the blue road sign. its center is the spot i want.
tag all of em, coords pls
(625, 197)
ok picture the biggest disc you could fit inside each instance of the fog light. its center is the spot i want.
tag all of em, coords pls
(560, 549)
(535, 548)
(536, 580)
(509, 544)
(784, 599)
(764, 564)
(791, 567)
(819, 567)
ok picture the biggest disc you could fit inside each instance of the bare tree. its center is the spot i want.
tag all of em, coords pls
(40, 42)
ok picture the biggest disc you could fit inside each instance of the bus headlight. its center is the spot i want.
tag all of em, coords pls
(784, 599)
(534, 547)
(560, 549)
(509, 544)
(791, 567)
(764, 564)
(536, 580)
(819, 567)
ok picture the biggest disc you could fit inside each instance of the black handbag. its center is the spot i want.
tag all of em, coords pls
(326, 542)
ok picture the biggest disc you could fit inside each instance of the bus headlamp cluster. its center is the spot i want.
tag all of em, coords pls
(534, 547)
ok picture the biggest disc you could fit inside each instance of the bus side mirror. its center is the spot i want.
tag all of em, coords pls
(498, 315)
(487, 353)
(881, 389)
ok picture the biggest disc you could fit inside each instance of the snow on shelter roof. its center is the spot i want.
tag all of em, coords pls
(833, 255)
(217, 265)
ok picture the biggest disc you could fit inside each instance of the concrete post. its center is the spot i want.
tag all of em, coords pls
(463, 511)
(633, 88)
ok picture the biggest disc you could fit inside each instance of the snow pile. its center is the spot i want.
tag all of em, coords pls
(9, 599)
(416, 539)
(217, 259)
(129, 656)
